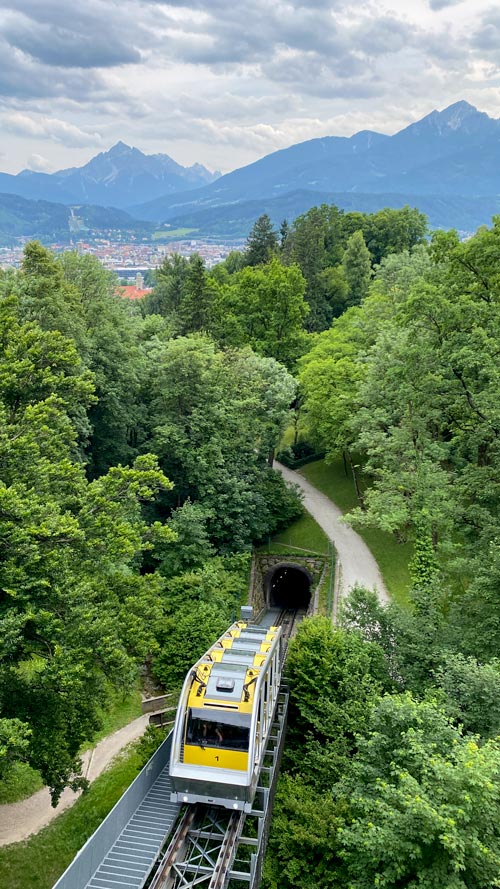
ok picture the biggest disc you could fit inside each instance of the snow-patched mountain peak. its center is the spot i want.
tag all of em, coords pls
(461, 117)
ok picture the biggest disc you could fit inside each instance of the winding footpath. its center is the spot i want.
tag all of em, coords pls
(19, 820)
(356, 562)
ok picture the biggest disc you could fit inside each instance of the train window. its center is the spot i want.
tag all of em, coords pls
(209, 733)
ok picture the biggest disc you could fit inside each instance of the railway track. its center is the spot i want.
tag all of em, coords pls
(289, 619)
(202, 850)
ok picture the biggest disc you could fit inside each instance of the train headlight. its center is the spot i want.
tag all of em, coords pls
(184, 799)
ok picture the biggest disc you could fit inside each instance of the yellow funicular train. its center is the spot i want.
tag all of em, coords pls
(225, 713)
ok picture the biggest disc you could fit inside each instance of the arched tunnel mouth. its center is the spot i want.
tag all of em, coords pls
(289, 587)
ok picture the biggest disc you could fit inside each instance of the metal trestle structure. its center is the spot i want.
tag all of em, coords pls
(214, 848)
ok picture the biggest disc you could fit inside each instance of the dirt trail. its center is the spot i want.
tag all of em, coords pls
(19, 820)
(357, 565)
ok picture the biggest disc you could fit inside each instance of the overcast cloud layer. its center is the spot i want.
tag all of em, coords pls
(224, 83)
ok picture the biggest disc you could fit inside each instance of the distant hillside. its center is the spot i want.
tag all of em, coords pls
(235, 220)
(445, 164)
(119, 177)
(450, 158)
(54, 222)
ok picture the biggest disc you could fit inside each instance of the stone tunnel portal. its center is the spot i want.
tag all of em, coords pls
(289, 587)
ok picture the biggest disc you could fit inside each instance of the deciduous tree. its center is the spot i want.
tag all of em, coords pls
(424, 803)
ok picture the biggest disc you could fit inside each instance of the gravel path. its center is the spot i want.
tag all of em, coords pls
(357, 565)
(19, 820)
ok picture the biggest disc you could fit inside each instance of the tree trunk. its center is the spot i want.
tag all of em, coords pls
(345, 463)
(296, 416)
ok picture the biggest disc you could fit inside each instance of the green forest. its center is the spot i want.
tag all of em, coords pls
(137, 442)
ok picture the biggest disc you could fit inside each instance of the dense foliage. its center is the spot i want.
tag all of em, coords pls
(405, 385)
(385, 786)
(133, 466)
(408, 381)
(285, 285)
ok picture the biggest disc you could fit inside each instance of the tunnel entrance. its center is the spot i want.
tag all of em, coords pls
(289, 586)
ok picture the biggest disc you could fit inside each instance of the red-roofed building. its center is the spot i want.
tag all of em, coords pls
(132, 292)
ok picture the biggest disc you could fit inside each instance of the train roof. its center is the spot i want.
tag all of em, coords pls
(224, 679)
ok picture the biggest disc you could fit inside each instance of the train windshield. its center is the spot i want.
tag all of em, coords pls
(205, 731)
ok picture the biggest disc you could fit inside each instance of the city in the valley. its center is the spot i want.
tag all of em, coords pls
(128, 259)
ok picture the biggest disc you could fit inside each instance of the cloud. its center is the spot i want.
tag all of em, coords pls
(60, 47)
(486, 37)
(321, 47)
(222, 41)
(383, 36)
(229, 106)
(442, 4)
(320, 55)
(23, 78)
(39, 164)
(225, 7)
(209, 74)
(49, 128)
(92, 35)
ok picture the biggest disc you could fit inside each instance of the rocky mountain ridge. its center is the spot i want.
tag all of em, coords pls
(119, 177)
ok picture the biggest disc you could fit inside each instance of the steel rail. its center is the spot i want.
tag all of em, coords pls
(176, 844)
(227, 850)
(289, 620)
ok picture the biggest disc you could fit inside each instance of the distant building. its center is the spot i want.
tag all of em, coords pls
(131, 292)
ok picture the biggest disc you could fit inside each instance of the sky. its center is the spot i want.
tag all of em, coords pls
(222, 82)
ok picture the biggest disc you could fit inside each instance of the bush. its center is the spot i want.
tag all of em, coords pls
(298, 455)
(302, 449)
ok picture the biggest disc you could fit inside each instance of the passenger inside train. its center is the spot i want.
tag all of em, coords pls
(206, 733)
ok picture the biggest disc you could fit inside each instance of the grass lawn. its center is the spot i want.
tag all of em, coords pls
(123, 709)
(305, 534)
(392, 557)
(21, 781)
(39, 861)
(169, 233)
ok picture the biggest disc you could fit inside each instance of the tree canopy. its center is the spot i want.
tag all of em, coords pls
(131, 459)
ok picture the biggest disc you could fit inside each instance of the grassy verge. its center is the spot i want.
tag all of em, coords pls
(22, 781)
(392, 557)
(40, 860)
(123, 709)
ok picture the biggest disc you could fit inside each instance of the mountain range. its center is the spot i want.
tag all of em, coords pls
(119, 178)
(445, 164)
(447, 155)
